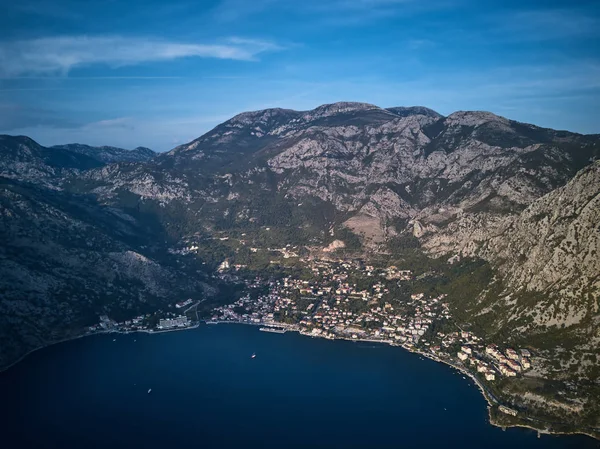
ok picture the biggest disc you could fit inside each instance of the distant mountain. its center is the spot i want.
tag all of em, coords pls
(65, 258)
(109, 155)
(24, 159)
(404, 183)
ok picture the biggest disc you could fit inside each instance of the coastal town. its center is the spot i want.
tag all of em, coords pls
(330, 305)
(346, 299)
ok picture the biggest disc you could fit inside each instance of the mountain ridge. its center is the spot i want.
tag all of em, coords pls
(106, 154)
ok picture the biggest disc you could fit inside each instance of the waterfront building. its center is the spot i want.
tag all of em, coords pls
(512, 354)
(170, 323)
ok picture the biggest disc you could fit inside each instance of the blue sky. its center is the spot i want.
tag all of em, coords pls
(159, 73)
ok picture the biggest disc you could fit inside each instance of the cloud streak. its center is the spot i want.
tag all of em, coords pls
(60, 55)
(545, 24)
(332, 12)
(15, 116)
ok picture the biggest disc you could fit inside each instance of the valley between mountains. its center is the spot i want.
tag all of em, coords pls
(502, 217)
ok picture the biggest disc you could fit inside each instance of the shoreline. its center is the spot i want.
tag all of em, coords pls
(489, 398)
(544, 431)
(91, 334)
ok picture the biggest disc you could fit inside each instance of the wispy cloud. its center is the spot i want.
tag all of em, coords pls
(64, 10)
(333, 12)
(120, 122)
(420, 44)
(59, 55)
(545, 24)
(75, 78)
(232, 10)
(15, 116)
(366, 4)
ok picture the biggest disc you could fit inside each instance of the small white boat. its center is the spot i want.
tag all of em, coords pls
(253, 355)
(149, 390)
(114, 339)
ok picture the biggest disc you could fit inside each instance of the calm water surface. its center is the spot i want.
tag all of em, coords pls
(208, 392)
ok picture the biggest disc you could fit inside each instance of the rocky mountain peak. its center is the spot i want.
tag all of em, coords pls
(261, 116)
(245, 131)
(407, 111)
(327, 110)
(5, 139)
(474, 118)
(265, 116)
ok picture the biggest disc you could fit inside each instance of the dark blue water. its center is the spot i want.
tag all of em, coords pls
(208, 392)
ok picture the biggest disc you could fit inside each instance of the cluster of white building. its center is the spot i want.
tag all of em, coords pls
(491, 361)
(170, 323)
(107, 323)
(510, 363)
(329, 305)
(259, 310)
(392, 272)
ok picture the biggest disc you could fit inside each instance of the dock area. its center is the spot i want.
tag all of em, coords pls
(275, 330)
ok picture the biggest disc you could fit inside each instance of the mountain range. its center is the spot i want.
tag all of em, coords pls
(97, 230)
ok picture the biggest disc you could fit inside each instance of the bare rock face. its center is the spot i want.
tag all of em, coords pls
(553, 247)
(550, 248)
(333, 246)
(418, 230)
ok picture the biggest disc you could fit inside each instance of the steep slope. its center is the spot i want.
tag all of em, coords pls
(546, 296)
(65, 260)
(551, 250)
